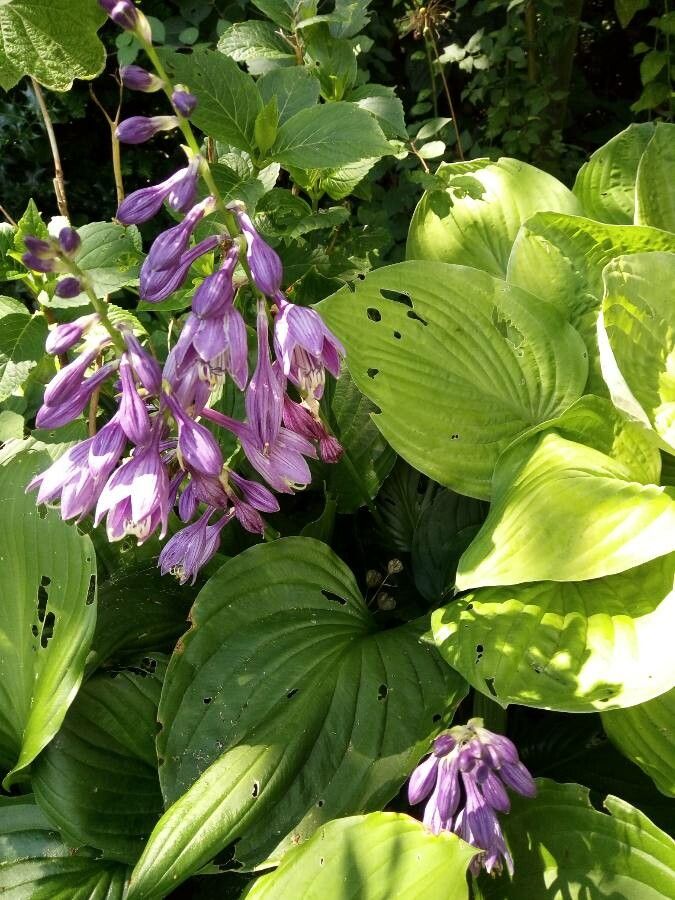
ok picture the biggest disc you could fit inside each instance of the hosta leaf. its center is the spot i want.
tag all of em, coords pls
(561, 258)
(646, 735)
(294, 88)
(604, 522)
(605, 185)
(55, 41)
(367, 458)
(35, 863)
(97, 780)
(229, 101)
(571, 646)
(655, 186)
(330, 135)
(458, 362)
(284, 707)
(480, 232)
(48, 587)
(637, 340)
(565, 848)
(22, 346)
(375, 857)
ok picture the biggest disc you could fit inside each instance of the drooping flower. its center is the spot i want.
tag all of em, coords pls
(198, 450)
(156, 284)
(127, 16)
(136, 78)
(249, 499)
(145, 367)
(66, 404)
(193, 547)
(179, 190)
(133, 414)
(265, 392)
(263, 261)
(65, 336)
(139, 129)
(168, 247)
(184, 102)
(463, 781)
(298, 418)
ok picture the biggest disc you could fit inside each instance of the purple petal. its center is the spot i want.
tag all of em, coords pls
(422, 780)
(517, 777)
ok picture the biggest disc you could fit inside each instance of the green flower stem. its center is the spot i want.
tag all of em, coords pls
(100, 306)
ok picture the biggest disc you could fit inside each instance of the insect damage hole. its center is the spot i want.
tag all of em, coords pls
(374, 314)
(413, 315)
(291, 693)
(397, 297)
(47, 629)
(255, 793)
(382, 692)
(91, 590)
(335, 598)
(373, 372)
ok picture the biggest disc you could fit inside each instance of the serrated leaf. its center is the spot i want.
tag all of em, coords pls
(481, 232)
(636, 334)
(294, 88)
(255, 40)
(54, 41)
(621, 855)
(655, 185)
(605, 184)
(383, 103)
(266, 126)
(97, 780)
(22, 346)
(576, 647)
(333, 134)
(48, 578)
(36, 863)
(445, 412)
(109, 257)
(604, 521)
(269, 753)
(375, 857)
(646, 735)
(228, 100)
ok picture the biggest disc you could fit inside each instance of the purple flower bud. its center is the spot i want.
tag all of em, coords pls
(263, 261)
(443, 744)
(106, 450)
(300, 420)
(198, 450)
(67, 407)
(169, 245)
(69, 378)
(146, 367)
(187, 502)
(66, 335)
(37, 247)
(265, 392)
(38, 264)
(136, 78)
(68, 287)
(139, 129)
(216, 291)
(69, 240)
(133, 414)
(122, 12)
(183, 192)
(330, 449)
(517, 777)
(191, 548)
(422, 780)
(156, 284)
(256, 495)
(494, 792)
(184, 102)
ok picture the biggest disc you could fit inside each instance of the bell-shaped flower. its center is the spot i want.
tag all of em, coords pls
(133, 413)
(139, 129)
(192, 547)
(198, 450)
(157, 284)
(265, 392)
(263, 261)
(180, 190)
(305, 346)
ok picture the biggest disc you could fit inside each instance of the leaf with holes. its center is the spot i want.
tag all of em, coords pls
(604, 521)
(480, 231)
(97, 780)
(375, 857)
(48, 586)
(228, 100)
(636, 334)
(572, 646)
(563, 847)
(605, 185)
(646, 735)
(285, 707)
(55, 41)
(35, 863)
(458, 363)
(655, 186)
(561, 259)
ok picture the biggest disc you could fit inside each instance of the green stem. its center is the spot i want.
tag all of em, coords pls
(432, 76)
(100, 306)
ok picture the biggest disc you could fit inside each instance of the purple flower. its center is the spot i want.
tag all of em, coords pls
(106, 450)
(198, 450)
(125, 14)
(139, 129)
(265, 392)
(38, 263)
(68, 479)
(133, 414)
(305, 347)
(146, 367)
(184, 102)
(69, 240)
(136, 78)
(180, 189)
(299, 419)
(65, 336)
(263, 261)
(68, 287)
(37, 247)
(156, 284)
(183, 191)
(191, 548)
(136, 498)
(464, 780)
(249, 499)
(172, 243)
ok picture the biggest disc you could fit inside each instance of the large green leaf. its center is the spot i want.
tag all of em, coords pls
(480, 232)
(255, 41)
(637, 340)
(330, 135)
(294, 89)
(55, 41)
(47, 618)
(367, 458)
(560, 258)
(571, 646)
(284, 707)
(655, 186)
(22, 346)
(109, 255)
(603, 521)
(458, 362)
(375, 857)
(564, 848)
(605, 185)
(35, 864)
(97, 780)
(646, 735)
(229, 101)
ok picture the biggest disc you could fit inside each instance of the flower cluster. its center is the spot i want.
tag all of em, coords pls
(465, 779)
(155, 452)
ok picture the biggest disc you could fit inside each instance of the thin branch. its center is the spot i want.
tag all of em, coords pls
(8, 217)
(59, 182)
(114, 143)
(448, 97)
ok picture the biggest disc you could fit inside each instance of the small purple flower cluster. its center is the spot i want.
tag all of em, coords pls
(465, 778)
(51, 256)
